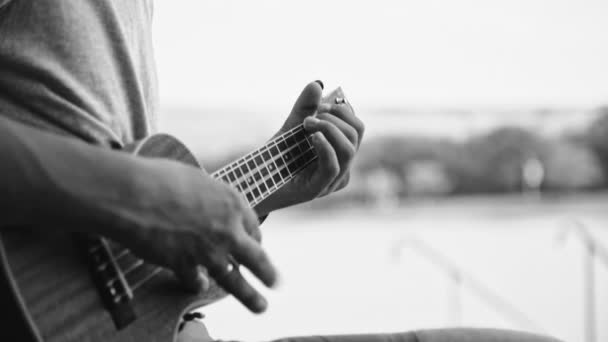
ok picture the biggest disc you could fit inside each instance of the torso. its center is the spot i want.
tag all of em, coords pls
(79, 67)
(82, 68)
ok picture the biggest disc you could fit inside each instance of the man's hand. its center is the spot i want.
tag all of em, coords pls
(189, 219)
(336, 136)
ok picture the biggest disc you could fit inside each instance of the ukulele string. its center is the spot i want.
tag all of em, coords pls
(251, 183)
(286, 135)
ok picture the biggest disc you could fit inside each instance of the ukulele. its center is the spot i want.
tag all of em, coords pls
(88, 288)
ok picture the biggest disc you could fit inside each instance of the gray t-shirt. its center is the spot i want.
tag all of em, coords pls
(83, 68)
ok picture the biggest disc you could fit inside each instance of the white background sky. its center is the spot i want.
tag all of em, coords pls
(223, 62)
(384, 52)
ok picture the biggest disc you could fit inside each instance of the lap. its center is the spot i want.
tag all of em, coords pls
(196, 332)
(434, 335)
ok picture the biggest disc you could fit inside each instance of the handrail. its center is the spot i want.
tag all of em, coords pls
(593, 250)
(578, 228)
(460, 277)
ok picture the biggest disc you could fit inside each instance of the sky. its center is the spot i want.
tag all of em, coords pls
(389, 53)
(223, 62)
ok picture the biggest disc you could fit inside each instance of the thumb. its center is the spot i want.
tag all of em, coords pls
(306, 104)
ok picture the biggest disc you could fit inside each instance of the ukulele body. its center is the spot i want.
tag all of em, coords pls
(57, 297)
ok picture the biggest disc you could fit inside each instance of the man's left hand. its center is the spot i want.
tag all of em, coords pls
(336, 136)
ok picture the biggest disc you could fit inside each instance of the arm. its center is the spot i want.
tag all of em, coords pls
(336, 135)
(168, 213)
(42, 175)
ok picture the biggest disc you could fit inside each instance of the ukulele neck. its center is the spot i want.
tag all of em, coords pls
(262, 172)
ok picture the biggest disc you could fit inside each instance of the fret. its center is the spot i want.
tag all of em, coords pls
(243, 170)
(257, 177)
(253, 178)
(231, 177)
(247, 173)
(308, 144)
(251, 182)
(285, 152)
(285, 173)
(238, 172)
(282, 144)
(265, 183)
(251, 165)
(258, 159)
(260, 175)
(264, 170)
(300, 134)
(270, 184)
(274, 151)
(283, 147)
(276, 178)
(250, 198)
(300, 160)
(290, 140)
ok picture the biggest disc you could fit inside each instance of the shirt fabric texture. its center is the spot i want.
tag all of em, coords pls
(83, 68)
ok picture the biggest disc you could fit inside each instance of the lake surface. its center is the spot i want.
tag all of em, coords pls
(384, 270)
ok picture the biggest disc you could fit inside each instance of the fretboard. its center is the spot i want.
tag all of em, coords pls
(262, 172)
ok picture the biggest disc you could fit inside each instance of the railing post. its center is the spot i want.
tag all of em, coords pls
(589, 293)
(455, 298)
(460, 279)
(592, 252)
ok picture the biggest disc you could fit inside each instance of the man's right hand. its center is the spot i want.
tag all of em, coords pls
(166, 212)
(185, 218)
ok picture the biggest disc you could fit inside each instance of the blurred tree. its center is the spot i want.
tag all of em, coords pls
(571, 166)
(597, 137)
(500, 155)
(427, 178)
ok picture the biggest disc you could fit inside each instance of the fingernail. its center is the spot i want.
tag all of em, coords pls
(320, 84)
(310, 121)
(276, 282)
(316, 137)
(205, 284)
(324, 108)
(261, 304)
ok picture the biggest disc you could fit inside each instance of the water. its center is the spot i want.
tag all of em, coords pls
(344, 272)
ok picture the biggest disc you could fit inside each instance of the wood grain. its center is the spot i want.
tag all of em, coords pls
(57, 292)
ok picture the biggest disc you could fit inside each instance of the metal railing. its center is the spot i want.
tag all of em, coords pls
(460, 280)
(593, 251)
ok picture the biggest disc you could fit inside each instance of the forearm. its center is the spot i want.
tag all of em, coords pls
(52, 181)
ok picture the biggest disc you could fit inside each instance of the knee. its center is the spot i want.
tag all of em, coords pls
(479, 335)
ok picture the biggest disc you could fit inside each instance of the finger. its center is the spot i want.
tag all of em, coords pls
(351, 134)
(249, 253)
(341, 183)
(256, 234)
(345, 151)
(347, 114)
(234, 283)
(328, 167)
(306, 104)
(251, 223)
(192, 278)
